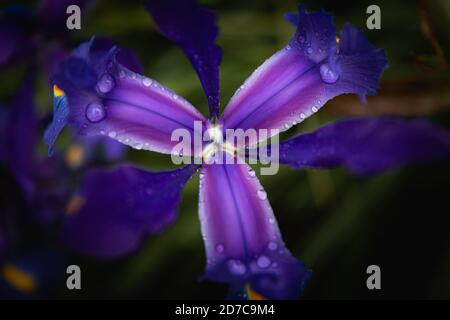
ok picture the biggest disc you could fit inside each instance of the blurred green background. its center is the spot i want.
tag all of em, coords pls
(336, 223)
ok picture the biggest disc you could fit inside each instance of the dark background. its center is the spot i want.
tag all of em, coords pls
(336, 223)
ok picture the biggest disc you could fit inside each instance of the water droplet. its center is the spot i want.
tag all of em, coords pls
(237, 267)
(106, 83)
(272, 246)
(288, 47)
(112, 134)
(261, 194)
(314, 109)
(263, 262)
(175, 97)
(122, 74)
(286, 125)
(328, 74)
(309, 50)
(138, 146)
(147, 82)
(95, 112)
(220, 248)
(271, 220)
(251, 173)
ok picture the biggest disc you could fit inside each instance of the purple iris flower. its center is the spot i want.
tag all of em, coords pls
(243, 243)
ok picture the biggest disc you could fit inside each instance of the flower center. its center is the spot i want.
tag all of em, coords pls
(216, 145)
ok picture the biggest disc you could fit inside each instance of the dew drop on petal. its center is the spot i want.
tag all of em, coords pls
(220, 248)
(328, 74)
(95, 112)
(106, 83)
(237, 267)
(112, 134)
(263, 262)
(147, 82)
(272, 246)
(261, 194)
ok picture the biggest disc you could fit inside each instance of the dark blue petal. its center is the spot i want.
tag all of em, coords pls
(359, 65)
(125, 57)
(315, 34)
(367, 145)
(60, 118)
(355, 61)
(292, 18)
(193, 28)
(114, 209)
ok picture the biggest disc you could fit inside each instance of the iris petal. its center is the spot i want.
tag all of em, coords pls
(105, 98)
(366, 145)
(298, 80)
(60, 117)
(107, 222)
(242, 240)
(193, 28)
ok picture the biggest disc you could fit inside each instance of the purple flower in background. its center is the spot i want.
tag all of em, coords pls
(243, 243)
(39, 38)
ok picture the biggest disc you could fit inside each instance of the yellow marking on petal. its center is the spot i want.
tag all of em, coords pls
(338, 39)
(75, 155)
(253, 295)
(57, 92)
(75, 204)
(19, 279)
